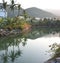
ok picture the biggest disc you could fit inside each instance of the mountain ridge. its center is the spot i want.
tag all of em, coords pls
(36, 12)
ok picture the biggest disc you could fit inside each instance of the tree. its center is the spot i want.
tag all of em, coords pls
(12, 6)
(24, 14)
(4, 6)
(19, 7)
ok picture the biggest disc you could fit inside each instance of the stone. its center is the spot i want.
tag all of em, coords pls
(58, 59)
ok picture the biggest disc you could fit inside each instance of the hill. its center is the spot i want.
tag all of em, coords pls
(36, 12)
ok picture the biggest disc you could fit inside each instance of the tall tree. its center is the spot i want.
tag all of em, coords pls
(12, 6)
(19, 7)
(4, 6)
(24, 14)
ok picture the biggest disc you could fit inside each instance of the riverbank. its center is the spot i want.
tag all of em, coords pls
(6, 32)
(56, 60)
(50, 61)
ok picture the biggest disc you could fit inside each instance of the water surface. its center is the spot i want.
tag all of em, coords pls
(28, 47)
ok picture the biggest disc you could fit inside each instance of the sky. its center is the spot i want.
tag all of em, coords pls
(42, 4)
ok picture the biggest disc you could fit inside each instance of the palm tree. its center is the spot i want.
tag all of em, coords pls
(19, 7)
(12, 6)
(24, 14)
(4, 6)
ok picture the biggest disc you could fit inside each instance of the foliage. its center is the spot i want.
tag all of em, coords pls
(25, 14)
(55, 48)
(13, 41)
(13, 23)
(46, 23)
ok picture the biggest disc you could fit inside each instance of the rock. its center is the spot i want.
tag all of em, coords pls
(50, 61)
(15, 31)
(6, 32)
(3, 32)
(58, 59)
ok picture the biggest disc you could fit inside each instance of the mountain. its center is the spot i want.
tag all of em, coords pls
(36, 12)
(33, 12)
(56, 12)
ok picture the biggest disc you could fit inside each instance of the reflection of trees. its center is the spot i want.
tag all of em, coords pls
(55, 48)
(11, 55)
(14, 54)
(39, 32)
(24, 42)
(13, 42)
(5, 57)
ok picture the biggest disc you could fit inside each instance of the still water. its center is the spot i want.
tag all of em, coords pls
(28, 47)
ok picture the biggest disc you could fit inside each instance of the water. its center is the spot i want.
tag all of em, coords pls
(28, 47)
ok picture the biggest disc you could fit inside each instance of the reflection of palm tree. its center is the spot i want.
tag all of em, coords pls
(5, 55)
(5, 58)
(25, 39)
(12, 54)
(18, 53)
(15, 54)
(24, 42)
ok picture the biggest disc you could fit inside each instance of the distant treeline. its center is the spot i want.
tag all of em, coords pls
(46, 23)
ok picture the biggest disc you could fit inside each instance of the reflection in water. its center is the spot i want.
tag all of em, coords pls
(15, 41)
(13, 53)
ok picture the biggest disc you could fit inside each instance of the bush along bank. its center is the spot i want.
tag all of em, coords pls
(15, 25)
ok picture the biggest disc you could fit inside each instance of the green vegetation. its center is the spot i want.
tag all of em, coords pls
(12, 41)
(25, 23)
(46, 23)
(55, 49)
(15, 41)
(13, 23)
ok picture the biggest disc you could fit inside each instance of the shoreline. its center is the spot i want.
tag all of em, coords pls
(6, 32)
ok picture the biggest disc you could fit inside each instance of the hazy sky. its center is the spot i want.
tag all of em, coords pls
(42, 4)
